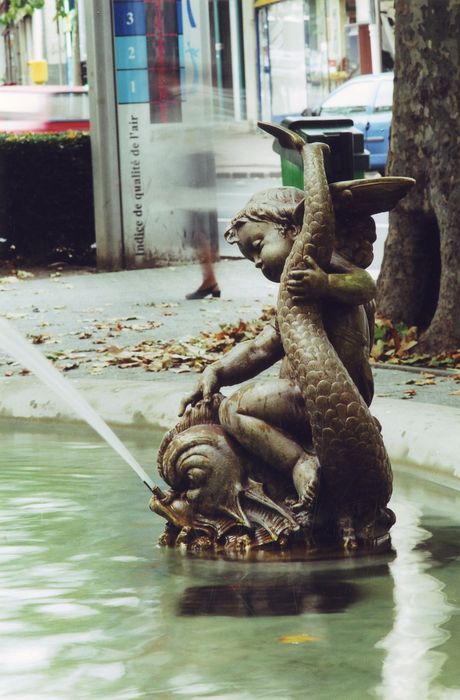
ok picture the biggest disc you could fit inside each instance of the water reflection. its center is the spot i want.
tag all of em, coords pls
(411, 665)
(258, 600)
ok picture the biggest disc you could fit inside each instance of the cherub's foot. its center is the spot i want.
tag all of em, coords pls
(305, 476)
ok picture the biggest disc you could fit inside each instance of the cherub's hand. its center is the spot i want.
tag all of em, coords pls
(206, 385)
(309, 283)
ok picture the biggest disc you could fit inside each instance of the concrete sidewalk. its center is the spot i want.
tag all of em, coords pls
(81, 318)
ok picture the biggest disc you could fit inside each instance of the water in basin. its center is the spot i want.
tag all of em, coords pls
(90, 607)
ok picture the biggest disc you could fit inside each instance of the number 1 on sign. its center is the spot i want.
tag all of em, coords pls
(133, 86)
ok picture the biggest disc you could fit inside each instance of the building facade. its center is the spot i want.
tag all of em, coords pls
(45, 35)
(306, 48)
(268, 58)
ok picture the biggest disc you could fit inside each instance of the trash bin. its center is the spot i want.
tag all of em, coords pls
(38, 71)
(347, 160)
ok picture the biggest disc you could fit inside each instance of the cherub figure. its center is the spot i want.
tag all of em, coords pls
(314, 417)
(268, 418)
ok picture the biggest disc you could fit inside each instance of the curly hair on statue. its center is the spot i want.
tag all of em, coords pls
(283, 207)
(275, 205)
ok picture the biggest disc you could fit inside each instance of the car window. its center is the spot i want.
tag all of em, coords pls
(69, 106)
(384, 99)
(354, 97)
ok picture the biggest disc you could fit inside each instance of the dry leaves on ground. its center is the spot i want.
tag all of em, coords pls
(190, 355)
(394, 344)
(397, 343)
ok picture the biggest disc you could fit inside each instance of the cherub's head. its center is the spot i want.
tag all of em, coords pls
(266, 228)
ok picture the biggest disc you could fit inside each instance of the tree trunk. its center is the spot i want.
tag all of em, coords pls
(419, 282)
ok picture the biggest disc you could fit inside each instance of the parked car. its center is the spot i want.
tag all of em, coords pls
(43, 108)
(368, 100)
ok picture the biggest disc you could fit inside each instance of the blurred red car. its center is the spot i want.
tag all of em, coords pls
(43, 108)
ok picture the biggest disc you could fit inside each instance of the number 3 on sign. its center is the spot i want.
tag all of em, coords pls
(129, 18)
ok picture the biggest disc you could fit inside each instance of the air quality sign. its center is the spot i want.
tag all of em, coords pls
(131, 52)
(161, 58)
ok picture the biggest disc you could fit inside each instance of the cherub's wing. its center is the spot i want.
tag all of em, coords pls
(354, 203)
(365, 197)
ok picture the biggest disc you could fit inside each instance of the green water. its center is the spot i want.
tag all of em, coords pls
(91, 608)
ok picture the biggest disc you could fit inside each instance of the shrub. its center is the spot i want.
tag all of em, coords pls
(46, 197)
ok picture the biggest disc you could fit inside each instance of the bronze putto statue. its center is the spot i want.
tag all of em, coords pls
(297, 461)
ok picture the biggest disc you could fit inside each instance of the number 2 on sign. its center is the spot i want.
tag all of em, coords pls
(131, 53)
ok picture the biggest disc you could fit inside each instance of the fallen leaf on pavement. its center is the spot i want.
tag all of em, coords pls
(163, 304)
(409, 394)
(41, 338)
(23, 275)
(425, 382)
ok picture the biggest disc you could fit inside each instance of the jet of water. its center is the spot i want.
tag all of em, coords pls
(18, 347)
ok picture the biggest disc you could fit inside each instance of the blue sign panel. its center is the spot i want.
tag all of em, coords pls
(132, 86)
(179, 16)
(129, 18)
(130, 52)
(180, 43)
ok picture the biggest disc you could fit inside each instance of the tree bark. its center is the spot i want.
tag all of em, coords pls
(419, 282)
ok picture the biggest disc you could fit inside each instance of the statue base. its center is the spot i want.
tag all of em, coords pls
(225, 502)
(318, 541)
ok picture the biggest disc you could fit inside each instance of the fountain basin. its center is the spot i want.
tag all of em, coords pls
(91, 607)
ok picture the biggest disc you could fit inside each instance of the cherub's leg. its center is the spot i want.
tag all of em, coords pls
(305, 478)
(264, 418)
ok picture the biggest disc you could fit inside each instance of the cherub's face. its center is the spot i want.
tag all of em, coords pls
(262, 242)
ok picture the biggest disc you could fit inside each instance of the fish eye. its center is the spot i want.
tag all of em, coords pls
(196, 476)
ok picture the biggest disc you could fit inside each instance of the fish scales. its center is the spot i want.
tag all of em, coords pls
(348, 443)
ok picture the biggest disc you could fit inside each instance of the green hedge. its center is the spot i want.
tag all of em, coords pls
(46, 197)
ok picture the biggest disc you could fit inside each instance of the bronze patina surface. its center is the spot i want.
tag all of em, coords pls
(298, 462)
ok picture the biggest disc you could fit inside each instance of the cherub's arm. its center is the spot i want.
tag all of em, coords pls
(245, 361)
(344, 283)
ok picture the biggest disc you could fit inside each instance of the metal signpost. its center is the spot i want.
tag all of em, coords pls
(150, 86)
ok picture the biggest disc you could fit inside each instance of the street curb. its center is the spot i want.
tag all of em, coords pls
(424, 436)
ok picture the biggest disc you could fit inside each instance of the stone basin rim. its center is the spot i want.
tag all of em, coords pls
(417, 434)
